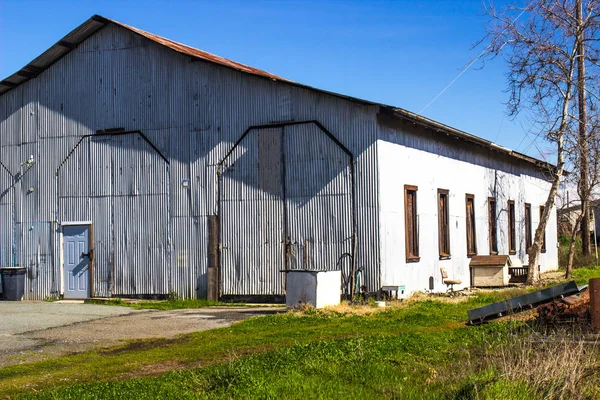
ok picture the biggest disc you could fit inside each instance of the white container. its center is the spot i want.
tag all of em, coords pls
(318, 288)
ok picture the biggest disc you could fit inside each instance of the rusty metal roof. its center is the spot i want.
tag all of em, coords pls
(192, 52)
(97, 22)
(93, 25)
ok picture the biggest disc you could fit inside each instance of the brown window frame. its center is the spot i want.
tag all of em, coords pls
(512, 224)
(492, 225)
(443, 223)
(471, 225)
(411, 220)
(528, 237)
(544, 238)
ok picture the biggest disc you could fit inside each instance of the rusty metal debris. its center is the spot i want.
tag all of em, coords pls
(570, 309)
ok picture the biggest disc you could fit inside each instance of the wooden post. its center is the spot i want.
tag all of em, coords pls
(595, 303)
(213, 258)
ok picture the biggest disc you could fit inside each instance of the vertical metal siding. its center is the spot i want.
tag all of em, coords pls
(193, 112)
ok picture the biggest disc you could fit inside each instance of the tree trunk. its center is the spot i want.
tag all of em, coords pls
(533, 275)
(583, 140)
(569, 272)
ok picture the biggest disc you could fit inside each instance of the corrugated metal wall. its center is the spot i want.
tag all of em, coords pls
(150, 225)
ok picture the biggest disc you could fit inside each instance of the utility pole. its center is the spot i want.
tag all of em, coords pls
(583, 142)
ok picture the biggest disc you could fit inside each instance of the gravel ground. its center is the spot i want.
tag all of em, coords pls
(31, 331)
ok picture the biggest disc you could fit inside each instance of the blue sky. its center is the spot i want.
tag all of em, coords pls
(401, 53)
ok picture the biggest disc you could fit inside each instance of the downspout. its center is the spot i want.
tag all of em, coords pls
(13, 216)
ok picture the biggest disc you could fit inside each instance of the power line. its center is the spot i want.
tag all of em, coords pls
(466, 68)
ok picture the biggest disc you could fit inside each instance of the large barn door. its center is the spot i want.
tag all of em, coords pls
(285, 203)
(120, 183)
(318, 199)
(251, 209)
(140, 218)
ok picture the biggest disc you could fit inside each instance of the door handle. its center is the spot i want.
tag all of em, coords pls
(88, 255)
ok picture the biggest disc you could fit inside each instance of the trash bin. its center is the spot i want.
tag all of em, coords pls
(13, 283)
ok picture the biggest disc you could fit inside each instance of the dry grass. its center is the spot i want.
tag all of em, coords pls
(342, 309)
(562, 365)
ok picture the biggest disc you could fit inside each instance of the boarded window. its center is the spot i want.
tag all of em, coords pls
(493, 231)
(527, 226)
(471, 237)
(512, 242)
(269, 161)
(543, 237)
(443, 223)
(411, 223)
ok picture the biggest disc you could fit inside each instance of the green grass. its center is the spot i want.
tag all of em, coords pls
(419, 351)
(380, 366)
(256, 335)
(583, 275)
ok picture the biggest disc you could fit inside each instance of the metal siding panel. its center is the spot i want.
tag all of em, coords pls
(181, 196)
(34, 250)
(10, 125)
(189, 269)
(100, 175)
(102, 245)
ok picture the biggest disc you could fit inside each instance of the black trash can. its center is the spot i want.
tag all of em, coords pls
(13, 283)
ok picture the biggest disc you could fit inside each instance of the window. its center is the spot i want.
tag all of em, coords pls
(443, 224)
(544, 237)
(512, 243)
(411, 232)
(493, 234)
(471, 238)
(527, 226)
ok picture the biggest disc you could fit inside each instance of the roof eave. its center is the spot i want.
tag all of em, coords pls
(437, 126)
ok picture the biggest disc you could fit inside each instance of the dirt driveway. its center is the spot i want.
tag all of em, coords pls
(31, 331)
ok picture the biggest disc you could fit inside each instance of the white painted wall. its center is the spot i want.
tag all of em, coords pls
(462, 171)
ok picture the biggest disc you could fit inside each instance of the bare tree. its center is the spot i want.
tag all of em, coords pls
(592, 165)
(542, 43)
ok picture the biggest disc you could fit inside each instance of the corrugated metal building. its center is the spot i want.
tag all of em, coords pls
(130, 162)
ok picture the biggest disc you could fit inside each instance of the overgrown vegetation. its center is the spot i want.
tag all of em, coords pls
(416, 349)
(560, 365)
(579, 260)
